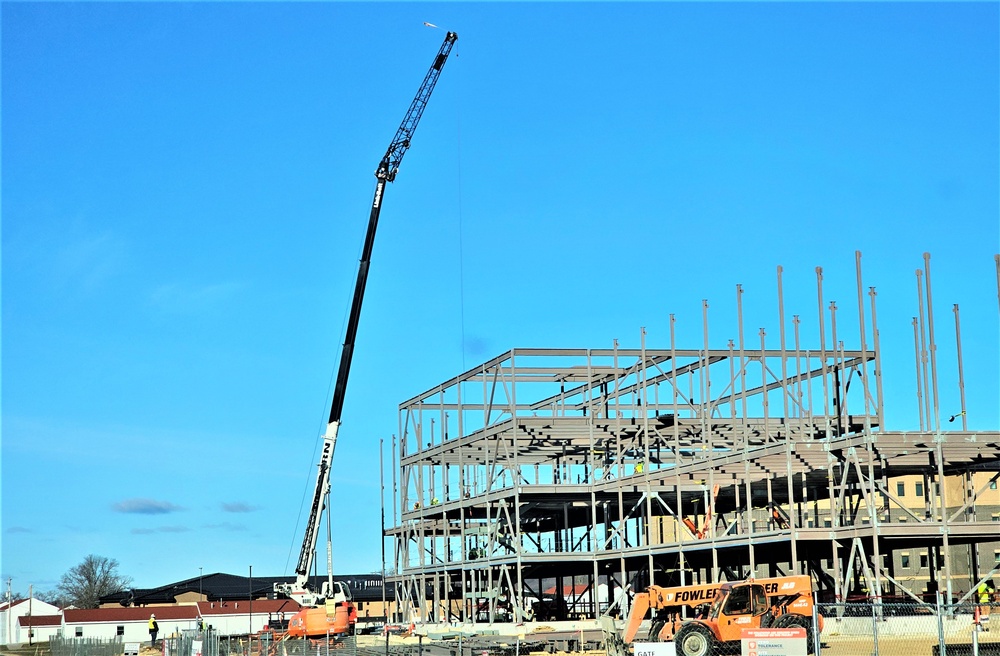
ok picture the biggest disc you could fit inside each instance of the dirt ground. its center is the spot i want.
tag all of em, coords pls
(915, 645)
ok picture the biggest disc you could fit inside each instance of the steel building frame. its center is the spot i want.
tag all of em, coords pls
(595, 470)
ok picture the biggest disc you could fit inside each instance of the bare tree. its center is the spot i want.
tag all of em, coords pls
(95, 577)
(55, 597)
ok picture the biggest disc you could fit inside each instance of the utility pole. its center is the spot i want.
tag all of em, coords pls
(10, 601)
(381, 497)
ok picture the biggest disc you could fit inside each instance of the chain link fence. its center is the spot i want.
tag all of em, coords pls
(61, 646)
(908, 629)
(192, 643)
(849, 629)
(265, 646)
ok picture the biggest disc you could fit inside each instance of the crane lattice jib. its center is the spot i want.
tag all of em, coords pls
(389, 165)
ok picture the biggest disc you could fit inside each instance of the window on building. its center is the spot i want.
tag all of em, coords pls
(904, 560)
(996, 517)
(902, 518)
(826, 523)
(923, 561)
(996, 557)
(121, 630)
(900, 489)
(919, 489)
(993, 485)
(79, 632)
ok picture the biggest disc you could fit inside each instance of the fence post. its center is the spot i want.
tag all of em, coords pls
(815, 633)
(875, 630)
(940, 618)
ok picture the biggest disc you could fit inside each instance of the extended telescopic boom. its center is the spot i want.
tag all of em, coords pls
(386, 172)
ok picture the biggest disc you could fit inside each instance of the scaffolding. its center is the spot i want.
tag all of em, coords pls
(545, 483)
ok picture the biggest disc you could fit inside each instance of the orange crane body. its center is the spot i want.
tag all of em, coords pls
(323, 621)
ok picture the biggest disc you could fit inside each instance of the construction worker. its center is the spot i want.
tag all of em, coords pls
(154, 628)
(983, 594)
(638, 467)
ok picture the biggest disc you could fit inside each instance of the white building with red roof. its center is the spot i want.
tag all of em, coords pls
(127, 624)
(239, 617)
(10, 614)
(132, 624)
(38, 628)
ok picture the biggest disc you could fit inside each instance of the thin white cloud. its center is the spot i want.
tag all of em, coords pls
(239, 507)
(181, 298)
(226, 526)
(160, 529)
(90, 261)
(145, 507)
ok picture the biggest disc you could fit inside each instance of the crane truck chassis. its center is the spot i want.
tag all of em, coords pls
(703, 620)
(330, 611)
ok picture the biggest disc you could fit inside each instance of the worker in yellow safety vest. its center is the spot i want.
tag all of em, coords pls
(983, 600)
(154, 628)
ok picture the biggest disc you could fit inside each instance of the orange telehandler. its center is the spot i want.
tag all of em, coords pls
(717, 613)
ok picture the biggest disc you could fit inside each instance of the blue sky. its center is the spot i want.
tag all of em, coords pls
(186, 187)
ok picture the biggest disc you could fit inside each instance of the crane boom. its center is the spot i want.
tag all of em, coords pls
(300, 590)
(386, 172)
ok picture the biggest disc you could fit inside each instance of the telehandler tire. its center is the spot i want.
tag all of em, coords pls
(694, 639)
(794, 620)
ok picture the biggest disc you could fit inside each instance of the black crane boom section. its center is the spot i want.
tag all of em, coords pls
(386, 172)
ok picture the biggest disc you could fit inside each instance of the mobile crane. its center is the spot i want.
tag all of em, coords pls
(329, 610)
(718, 614)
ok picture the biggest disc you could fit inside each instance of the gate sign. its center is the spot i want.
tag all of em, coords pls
(131, 649)
(772, 642)
(655, 649)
